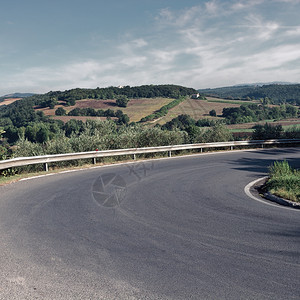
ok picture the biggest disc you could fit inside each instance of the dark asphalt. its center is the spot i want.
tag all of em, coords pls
(167, 229)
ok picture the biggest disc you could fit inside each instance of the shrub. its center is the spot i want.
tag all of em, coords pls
(218, 133)
(60, 112)
(284, 181)
(267, 131)
(213, 113)
(122, 101)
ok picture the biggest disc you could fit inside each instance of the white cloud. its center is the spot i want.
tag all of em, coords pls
(289, 1)
(134, 61)
(211, 7)
(213, 44)
(292, 31)
(275, 58)
(242, 5)
(264, 29)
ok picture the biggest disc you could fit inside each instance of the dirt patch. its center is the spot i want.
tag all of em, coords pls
(96, 104)
(9, 101)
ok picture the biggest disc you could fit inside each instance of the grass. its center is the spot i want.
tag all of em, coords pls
(288, 127)
(197, 109)
(242, 130)
(284, 181)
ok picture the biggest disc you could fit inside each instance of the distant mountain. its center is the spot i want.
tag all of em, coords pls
(266, 83)
(17, 95)
(278, 93)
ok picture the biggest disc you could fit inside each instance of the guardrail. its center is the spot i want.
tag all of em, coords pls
(46, 159)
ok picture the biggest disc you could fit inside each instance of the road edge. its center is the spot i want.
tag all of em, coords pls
(251, 191)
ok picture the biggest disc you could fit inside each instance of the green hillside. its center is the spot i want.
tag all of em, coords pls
(276, 93)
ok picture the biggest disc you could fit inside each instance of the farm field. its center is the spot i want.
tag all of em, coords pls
(136, 109)
(139, 108)
(9, 101)
(197, 109)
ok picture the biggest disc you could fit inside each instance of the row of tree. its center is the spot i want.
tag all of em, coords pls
(163, 110)
(255, 113)
(91, 112)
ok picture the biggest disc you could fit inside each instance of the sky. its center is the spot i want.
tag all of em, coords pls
(62, 44)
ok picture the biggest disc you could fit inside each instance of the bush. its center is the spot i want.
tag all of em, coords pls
(122, 101)
(218, 133)
(60, 112)
(267, 131)
(284, 181)
(213, 113)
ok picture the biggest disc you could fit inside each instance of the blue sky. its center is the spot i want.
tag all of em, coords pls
(62, 44)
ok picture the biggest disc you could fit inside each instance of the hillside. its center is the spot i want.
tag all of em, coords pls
(277, 93)
(145, 99)
(136, 109)
(15, 95)
(40, 118)
(10, 98)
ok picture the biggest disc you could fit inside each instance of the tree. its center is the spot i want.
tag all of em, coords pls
(218, 133)
(123, 119)
(118, 113)
(264, 132)
(11, 133)
(122, 101)
(73, 126)
(213, 113)
(42, 135)
(1, 132)
(70, 102)
(60, 112)
(194, 133)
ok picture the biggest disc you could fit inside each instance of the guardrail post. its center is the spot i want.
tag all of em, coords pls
(231, 147)
(170, 153)
(94, 160)
(46, 169)
(201, 150)
(134, 157)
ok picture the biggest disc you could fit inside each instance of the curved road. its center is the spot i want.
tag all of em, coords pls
(179, 228)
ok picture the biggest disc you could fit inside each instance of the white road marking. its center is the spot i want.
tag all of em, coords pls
(248, 193)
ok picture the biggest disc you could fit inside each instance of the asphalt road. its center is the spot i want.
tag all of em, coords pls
(179, 228)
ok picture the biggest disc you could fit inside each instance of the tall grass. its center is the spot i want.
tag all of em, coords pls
(284, 181)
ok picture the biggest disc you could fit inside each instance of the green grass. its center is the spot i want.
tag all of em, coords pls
(242, 130)
(288, 127)
(284, 181)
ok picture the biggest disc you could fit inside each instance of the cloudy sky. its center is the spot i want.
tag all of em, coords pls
(62, 44)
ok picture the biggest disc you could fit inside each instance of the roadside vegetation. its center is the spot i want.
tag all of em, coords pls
(284, 181)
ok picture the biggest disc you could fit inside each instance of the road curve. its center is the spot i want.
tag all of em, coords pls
(179, 228)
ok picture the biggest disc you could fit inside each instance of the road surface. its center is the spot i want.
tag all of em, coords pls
(180, 228)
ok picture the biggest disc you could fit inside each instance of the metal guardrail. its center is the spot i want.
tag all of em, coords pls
(46, 159)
